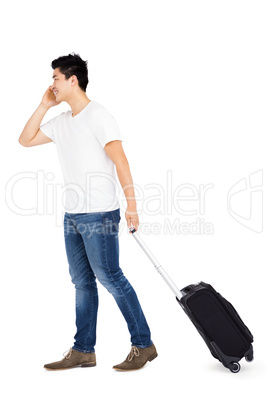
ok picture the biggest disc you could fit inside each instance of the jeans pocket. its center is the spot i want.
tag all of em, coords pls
(116, 218)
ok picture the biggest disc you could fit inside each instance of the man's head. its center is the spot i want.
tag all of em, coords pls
(70, 73)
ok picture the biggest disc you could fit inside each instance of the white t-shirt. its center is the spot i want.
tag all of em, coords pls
(89, 174)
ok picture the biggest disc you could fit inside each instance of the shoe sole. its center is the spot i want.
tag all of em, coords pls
(148, 360)
(78, 365)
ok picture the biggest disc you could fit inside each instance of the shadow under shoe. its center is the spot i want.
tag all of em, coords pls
(73, 359)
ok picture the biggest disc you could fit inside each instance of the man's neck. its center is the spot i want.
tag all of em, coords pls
(78, 103)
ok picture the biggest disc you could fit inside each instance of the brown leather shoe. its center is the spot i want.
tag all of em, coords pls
(73, 359)
(137, 358)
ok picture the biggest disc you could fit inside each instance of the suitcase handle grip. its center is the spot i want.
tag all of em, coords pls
(156, 264)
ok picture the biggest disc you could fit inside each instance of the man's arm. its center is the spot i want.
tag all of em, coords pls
(116, 153)
(31, 134)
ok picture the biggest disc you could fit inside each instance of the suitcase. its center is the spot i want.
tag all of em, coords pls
(216, 320)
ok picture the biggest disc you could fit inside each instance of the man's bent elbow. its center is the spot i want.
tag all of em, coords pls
(23, 143)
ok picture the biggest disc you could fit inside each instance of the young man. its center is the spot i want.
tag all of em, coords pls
(89, 146)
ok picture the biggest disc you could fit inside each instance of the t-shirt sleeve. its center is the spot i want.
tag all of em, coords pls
(105, 127)
(49, 128)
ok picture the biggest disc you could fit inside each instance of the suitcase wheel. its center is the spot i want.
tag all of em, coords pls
(249, 358)
(234, 367)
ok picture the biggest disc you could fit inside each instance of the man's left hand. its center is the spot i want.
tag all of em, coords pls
(132, 217)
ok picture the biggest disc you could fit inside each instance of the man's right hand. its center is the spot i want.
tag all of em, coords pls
(49, 98)
(31, 134)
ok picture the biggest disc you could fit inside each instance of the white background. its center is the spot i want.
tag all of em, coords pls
(187, 84)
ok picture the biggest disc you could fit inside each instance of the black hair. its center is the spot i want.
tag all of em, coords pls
(73, 65)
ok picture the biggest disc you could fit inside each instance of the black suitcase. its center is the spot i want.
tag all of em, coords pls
(217, 321)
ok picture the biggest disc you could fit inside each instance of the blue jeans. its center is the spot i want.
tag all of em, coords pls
(92, 247)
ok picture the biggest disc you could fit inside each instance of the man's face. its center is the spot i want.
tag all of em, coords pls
(61, 87)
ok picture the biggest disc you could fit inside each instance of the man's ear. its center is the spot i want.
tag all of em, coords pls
(74, 80)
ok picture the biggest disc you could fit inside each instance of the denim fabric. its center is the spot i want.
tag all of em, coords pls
(92, 247)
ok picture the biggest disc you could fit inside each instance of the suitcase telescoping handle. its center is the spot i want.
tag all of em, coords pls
(156, 264)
